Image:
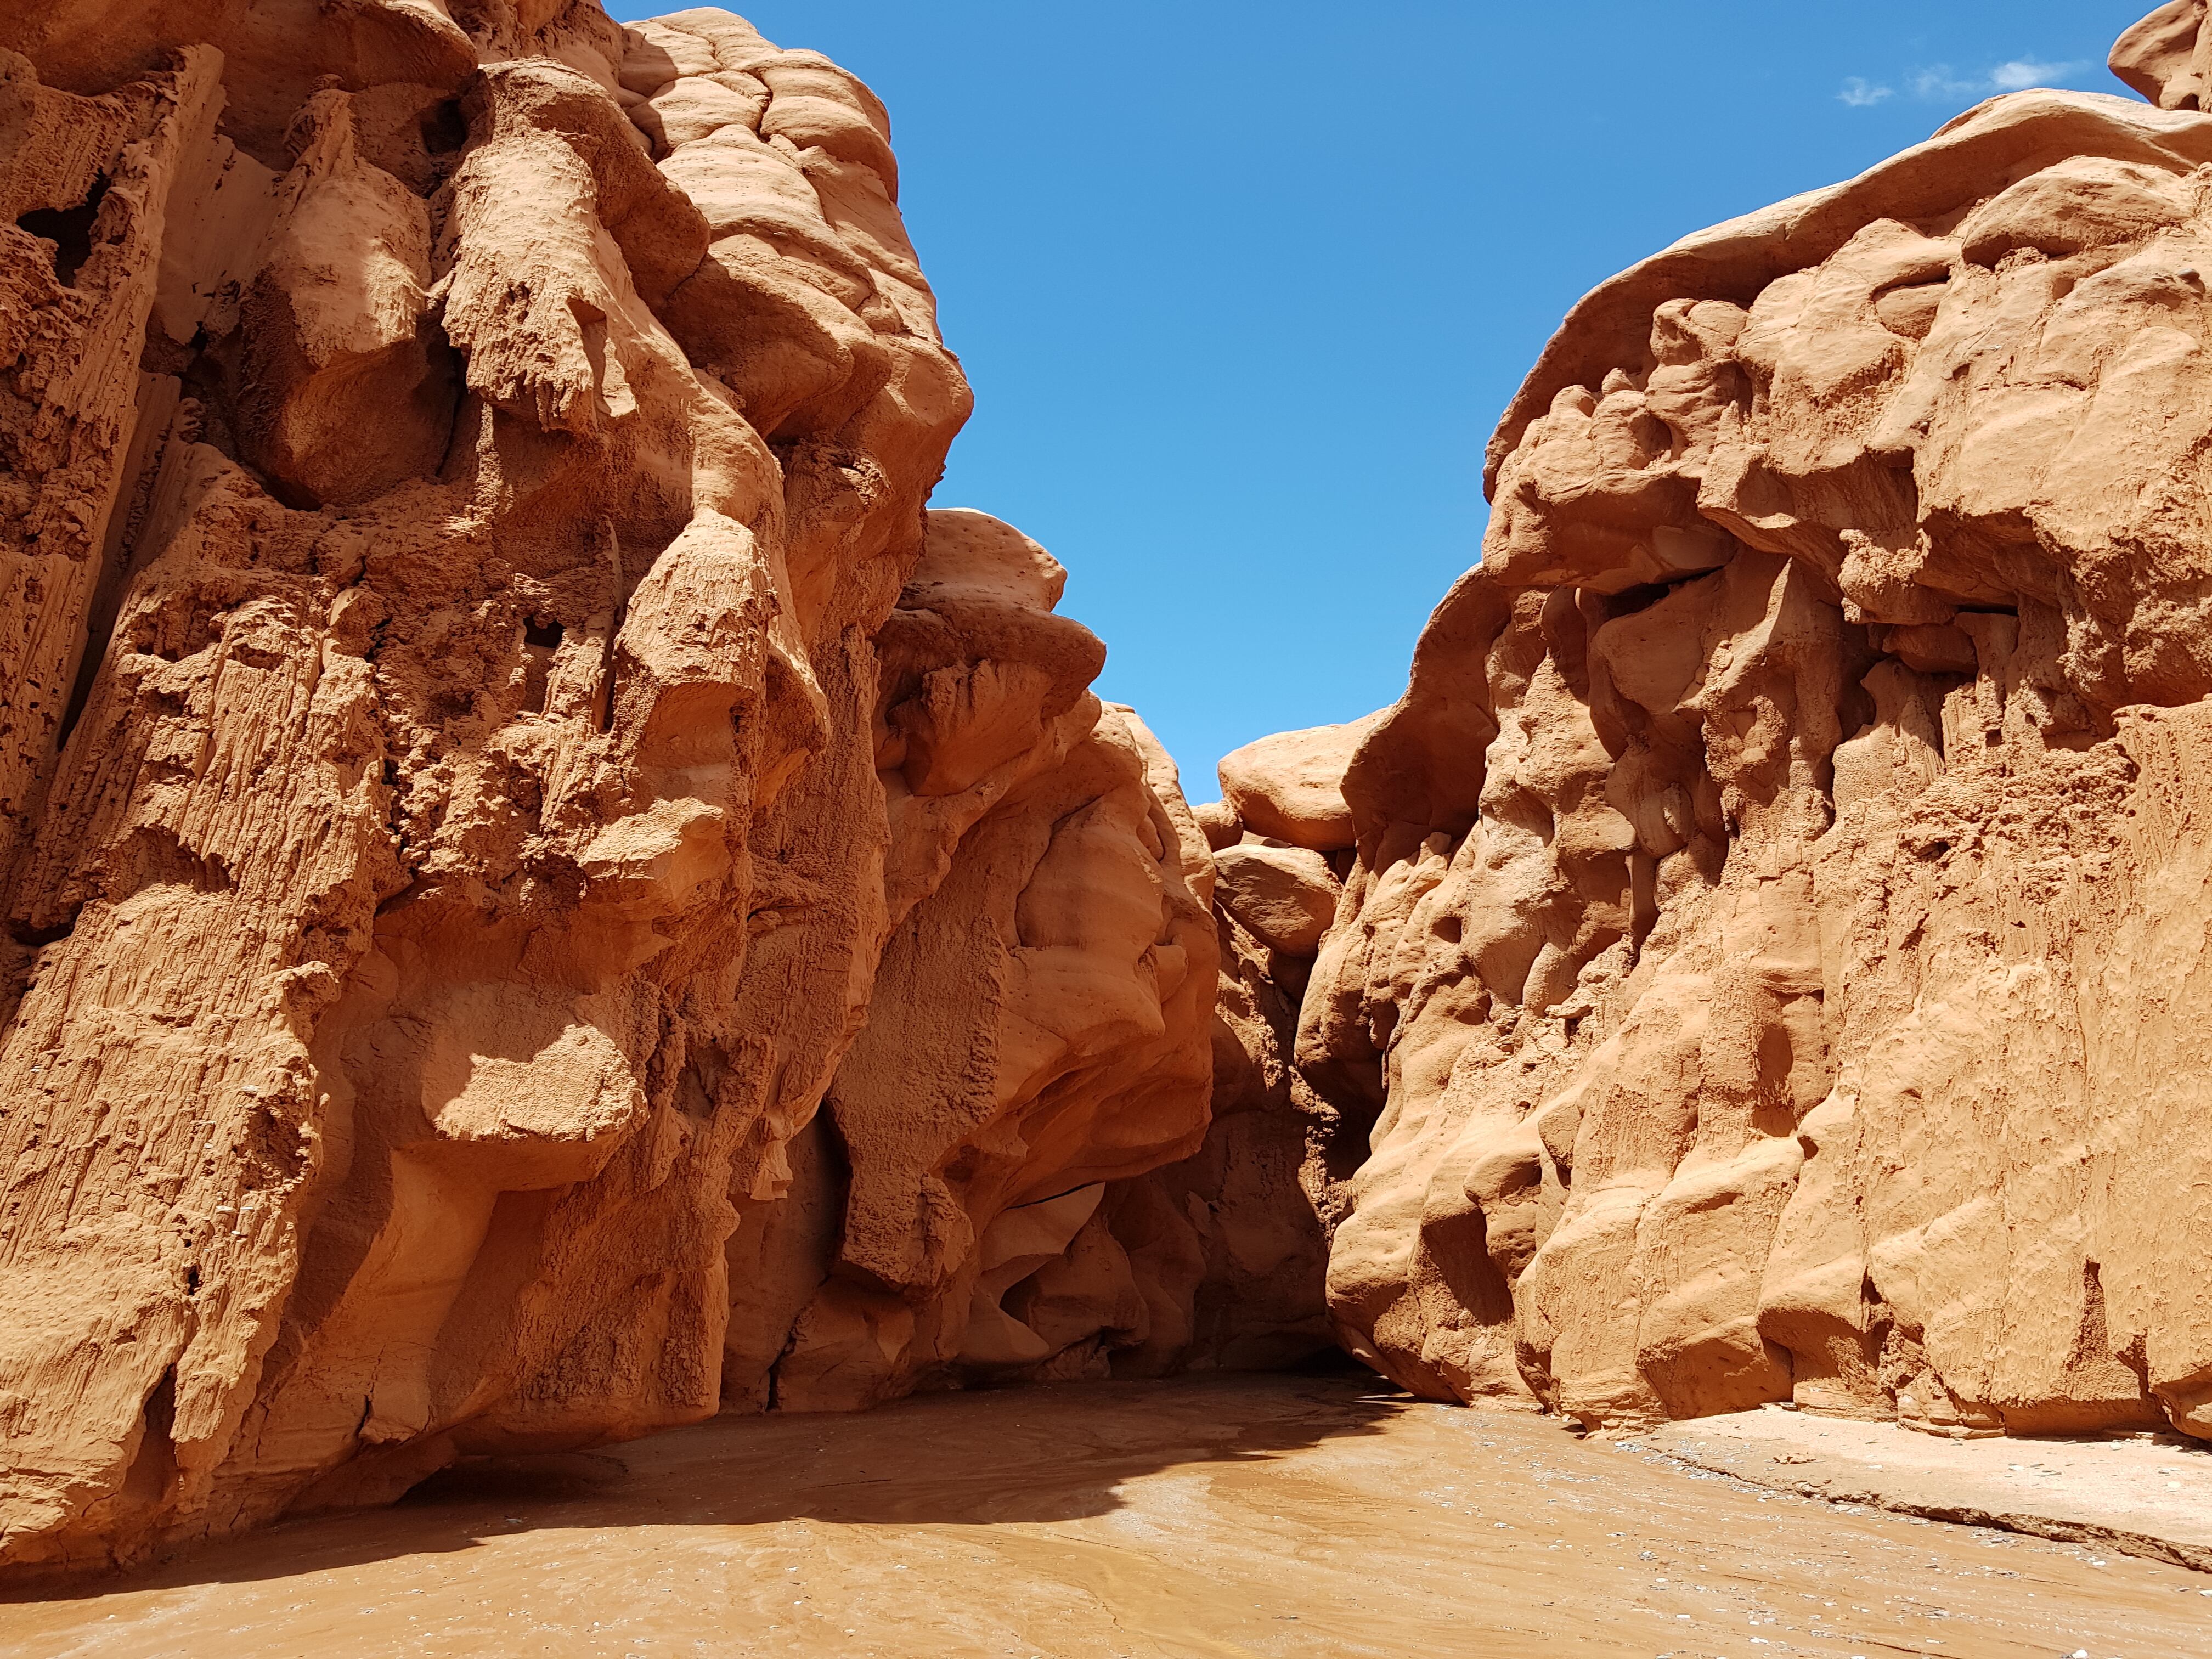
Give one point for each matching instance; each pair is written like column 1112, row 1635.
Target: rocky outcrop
column 548, row 895
column 1780, row 894
column 1279, row 1157
column 2163, row 56
column 490, row 748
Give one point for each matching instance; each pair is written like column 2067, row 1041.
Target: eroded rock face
column 1039, row 1022
column 488, row 746
column 2163, row 56
column 1779, row 896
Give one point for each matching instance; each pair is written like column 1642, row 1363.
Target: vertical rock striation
column 488, row 742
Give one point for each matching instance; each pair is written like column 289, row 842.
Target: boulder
column 1286, row 896
column 1290, row 787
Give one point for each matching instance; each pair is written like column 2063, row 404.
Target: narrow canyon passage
column 1277, row 1515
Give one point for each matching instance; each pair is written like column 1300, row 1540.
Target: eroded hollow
column 70, row 229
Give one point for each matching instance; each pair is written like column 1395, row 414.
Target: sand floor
column 1268, row 1516
column 2140, row 1494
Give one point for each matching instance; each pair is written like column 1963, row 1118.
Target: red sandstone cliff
column 1779, row 907
column 543, row 896
column 547, row 895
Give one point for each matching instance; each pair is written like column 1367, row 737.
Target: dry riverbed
column 1265, row 1517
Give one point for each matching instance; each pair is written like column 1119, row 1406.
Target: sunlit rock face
column 548, row 894
column 490, row 740
column 1781, row 896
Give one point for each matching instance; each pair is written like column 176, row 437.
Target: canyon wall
column 548, row 894
column 1781, row 904
column 545, row 896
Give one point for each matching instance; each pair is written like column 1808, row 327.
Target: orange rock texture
column 544, row 896
column 548, row 894
column 1779, row 916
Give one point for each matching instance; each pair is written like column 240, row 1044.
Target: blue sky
column 1243, row 287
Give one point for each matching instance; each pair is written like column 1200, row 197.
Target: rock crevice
column 545, row 893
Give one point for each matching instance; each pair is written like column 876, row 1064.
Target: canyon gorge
column 549, row 895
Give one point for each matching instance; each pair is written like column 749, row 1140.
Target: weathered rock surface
column 2163, row 56
column 1290, row 786
column 547, row 895
column 487, row 750
column 1230, row 1244
column 1285, row 895
column 1781, row 897
column 1039, row 1022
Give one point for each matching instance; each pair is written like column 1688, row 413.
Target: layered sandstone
column 1780, row 901
column 544, row 897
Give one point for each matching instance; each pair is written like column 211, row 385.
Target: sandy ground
column 1268, row 1516
column 2142, row 1494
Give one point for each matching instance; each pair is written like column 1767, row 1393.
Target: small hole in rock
column 37, row 939
column 70, row 229
column 444, row 129
column 540, row 639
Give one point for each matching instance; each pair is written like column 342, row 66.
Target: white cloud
column 1940, row 82
column 2024, row 72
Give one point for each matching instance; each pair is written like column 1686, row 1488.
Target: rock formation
column 544, row 898
column 548, row 894
column 1276, row 902
column 1781, row 896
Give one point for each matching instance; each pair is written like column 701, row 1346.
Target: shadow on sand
column 997, row 1457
